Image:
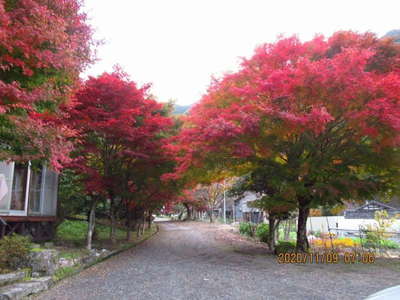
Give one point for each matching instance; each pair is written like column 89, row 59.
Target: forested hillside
column 181, row 109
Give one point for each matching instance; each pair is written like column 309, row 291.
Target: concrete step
column 20, row 290
column 11, row 277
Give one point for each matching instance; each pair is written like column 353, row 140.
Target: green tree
column 269, row 181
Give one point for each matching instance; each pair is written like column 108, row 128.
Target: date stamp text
column 326, row 258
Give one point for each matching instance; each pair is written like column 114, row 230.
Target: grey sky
column 178, row 44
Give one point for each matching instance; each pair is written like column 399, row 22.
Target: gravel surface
column 194, row 260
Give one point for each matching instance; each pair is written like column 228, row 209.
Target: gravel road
column 202, row 261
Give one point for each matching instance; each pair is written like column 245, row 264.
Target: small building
column 219, row 209
column 28, row 200
column 246, row 213
column 367, row 211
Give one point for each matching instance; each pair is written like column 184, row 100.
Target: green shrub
column 247, row 228
column 376, row 235
column 372, row 239
column 389, row 244
column 285, row 247
column 64, row 272
column 262, row 232
column 14, row 251
column 317, row 234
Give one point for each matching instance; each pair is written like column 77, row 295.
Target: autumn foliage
column 122, row 131
column 44, row 45
column 317, row 122
column 324, row 113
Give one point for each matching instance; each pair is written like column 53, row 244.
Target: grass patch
column 37, row 249
column 73, row 253
column 74, row 232
column 28, row 274
column 103, row 232
column 62, row 273
column 292, row 234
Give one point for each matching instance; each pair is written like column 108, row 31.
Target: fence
column 335, row 233
column 361, row 240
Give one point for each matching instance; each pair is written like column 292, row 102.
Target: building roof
column 375, row 205
column 368, row 210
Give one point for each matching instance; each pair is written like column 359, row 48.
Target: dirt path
column 202, row 261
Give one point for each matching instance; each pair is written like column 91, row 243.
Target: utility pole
column 233, row 212
column 224, row 203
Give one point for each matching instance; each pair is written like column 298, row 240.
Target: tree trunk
column 277, row 235
column 287, row 230
column 143, row 223
column 138, row 221
column 128, row 230
column 278, row 222
column 271, row 233
column 138, row 229
column 112, row 220
column 210, row 214
column 128, row 223
column 91, row 225
column 133, row 221
column 133, row 225
column 149, row 220
column 302, row 241
column 189, row 213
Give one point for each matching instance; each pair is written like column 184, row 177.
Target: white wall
column 321, row 223
column 248, row 196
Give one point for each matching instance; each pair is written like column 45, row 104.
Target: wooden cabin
column 28, row 200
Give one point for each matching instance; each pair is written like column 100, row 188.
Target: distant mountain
column 394, row 34
column 181, row 109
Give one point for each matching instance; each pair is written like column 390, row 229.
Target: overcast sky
column 177, row 45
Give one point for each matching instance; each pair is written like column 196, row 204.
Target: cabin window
column 50, row 193
column 35, row 188
column 19, row 187
column 6, row 173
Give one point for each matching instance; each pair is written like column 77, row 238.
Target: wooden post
column 3, row 231
column 3, row 228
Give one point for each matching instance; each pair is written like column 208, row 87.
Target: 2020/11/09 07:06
column 326, row 258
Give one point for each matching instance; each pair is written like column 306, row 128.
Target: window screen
column 18, row 193
column 50, row 192
column 6, row 176
column 35, row 188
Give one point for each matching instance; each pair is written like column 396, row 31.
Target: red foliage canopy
column 44, row 45
column 121, row 134
column 321, row 119
column 347, row 86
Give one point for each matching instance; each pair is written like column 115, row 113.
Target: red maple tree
column 121, row 135
column 44, row 45
column 325, row 112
